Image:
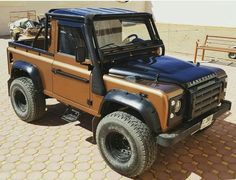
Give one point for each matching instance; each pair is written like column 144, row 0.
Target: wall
column 181, row 23
column 182, row 38
column 42, row 7
column 204, row 13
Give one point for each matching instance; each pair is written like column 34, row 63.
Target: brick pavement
column 54, row 149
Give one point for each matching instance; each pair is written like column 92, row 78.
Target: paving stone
column 83, row 158
column 208, row 175
column 23, row 166
column 2, row 158
column 27, row 158
column 30, row 151
column 83, row 166
column 41, row 158
column 66, row 175
column 98, row 166
column 17, row 151
column 4, row 175
column 69, row 158
column 82, row 175
column 18, row 175
column 50, row 175
column 67, row 166
column 35, row 175
column 13, row 158
column 55, row 158
column 38, row 166
column 7, row 166
column 53, row 166
column 44, row 151
column 98, row 175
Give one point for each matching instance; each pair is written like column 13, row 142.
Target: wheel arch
column 139, row 105
column 25, row 69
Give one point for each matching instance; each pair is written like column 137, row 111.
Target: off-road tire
column 139, row 137
column 232, row 55
column 28, row 104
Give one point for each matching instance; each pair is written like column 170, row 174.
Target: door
column 70, row 79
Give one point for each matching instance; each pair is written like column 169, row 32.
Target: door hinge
column 89, row 102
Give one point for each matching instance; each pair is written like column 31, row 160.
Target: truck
column 111, row 63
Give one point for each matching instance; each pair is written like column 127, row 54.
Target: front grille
column 205, row 97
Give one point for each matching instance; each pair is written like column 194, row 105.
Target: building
column 180, row 23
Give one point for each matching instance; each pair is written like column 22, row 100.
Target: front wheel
column 126, row 143
column 28, row 104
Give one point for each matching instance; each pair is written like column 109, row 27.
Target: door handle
column 56, row 71
column 63, row 73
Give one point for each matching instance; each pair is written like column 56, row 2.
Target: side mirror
column 80, row 54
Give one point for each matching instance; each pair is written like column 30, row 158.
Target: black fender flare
column 31, row 70
column 136, row 102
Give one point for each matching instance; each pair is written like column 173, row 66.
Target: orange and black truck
column 111, row 63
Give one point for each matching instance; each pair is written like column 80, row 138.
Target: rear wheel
column 126, row 143
column 27, row 102
column 232, row 55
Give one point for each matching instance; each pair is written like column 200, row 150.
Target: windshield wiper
column 111, row 44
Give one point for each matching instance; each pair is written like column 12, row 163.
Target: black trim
column 37, row 36
column 190, row 127
column 17, row 44
column 136, row 102
column 46, row 34
column 20, row 68
column 98, row 86
column 60, row 72
column 65, row 16
column 112, row 16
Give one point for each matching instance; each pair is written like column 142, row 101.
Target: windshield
column 121, row 32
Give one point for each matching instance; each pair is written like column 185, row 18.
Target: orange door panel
column 70, row 79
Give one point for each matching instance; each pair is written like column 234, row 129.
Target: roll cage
column 98, row 86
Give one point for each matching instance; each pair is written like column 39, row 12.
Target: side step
column 70, row 115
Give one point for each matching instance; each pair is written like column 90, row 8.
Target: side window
column 70, row 38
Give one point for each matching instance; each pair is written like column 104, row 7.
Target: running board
column 70, row 115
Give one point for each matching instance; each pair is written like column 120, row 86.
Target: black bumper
column 189, row 128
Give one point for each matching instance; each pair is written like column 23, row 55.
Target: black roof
column 90, row 11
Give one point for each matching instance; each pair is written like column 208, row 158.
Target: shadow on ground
column 52, row 116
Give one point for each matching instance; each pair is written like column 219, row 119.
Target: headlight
column 176, row 110
column 178, row 106
column 173, row 103
column 175, row 106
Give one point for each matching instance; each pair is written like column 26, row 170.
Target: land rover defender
column 111, row 63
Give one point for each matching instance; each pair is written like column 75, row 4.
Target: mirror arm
column 90, row 67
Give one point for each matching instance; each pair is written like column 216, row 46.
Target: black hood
column 165, row 69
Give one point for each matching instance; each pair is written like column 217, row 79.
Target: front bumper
column 189, row 128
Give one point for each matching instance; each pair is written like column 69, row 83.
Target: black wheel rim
column 20, row 101
column 118, row 146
